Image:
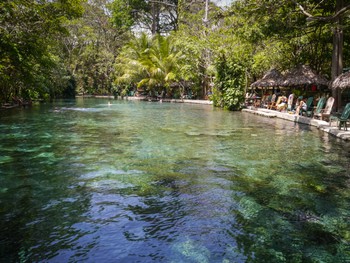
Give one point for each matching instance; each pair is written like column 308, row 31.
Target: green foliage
column 229, row 84
column 190, row 63
column 29, row 33
column 91, row 47
column 43, row 40
column 279, row 36
column 122, row 16
column 148, row 16
column 153, row 64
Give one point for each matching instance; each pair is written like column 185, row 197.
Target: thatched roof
column 342, row 81
column 303, row 75
column 272, row 78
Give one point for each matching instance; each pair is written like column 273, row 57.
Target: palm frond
column 150, row 62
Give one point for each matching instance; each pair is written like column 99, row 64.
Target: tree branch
column 302, row 9
column 163, row 3
column 322, row 18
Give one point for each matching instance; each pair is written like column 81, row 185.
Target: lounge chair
column 272, row 102
column 309, row 106
column 282, row 106
column 274, row 106
column 267, row 101
column 264, row 101
column 290, row 102
column 326, row 112
column 343, row 119
column 320, row 104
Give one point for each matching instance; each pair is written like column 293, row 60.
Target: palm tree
column 150, row 63
column 128, row 69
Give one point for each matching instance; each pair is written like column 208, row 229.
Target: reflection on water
column 148, row 182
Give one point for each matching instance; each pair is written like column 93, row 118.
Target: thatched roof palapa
column 342, row 81
column 303, row 75
column 272, row 78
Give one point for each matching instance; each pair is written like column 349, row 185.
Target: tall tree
column 339, row 9
column 29, row 30
column 284, row 25
column 154, row 16
column 198, row 24
column 92, row 46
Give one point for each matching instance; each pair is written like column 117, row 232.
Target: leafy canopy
column 149, row 63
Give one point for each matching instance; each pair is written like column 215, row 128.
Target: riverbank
column 320, row 124
column 142, row 98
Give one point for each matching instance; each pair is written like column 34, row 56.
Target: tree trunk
column 154, row 24
column 337, row 57
column 155, row 17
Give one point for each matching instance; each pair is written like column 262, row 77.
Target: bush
column 228, row 91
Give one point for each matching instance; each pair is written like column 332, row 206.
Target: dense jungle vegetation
column 59, row 48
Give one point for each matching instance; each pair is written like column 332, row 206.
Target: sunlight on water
column 90, row 181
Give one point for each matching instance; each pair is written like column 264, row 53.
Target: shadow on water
column 38, row 219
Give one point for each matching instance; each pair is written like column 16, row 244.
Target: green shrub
column 229, row 88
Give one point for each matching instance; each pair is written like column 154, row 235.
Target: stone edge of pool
column 322, row 125
column 206, row 102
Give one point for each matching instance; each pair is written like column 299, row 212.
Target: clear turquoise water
column 84, row 181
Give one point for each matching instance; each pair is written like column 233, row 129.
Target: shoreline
column 143, row 98
column 320, row 124
column 205, row 102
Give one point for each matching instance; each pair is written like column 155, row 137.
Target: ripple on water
column 5, row 159
column 107, row 185
column 103, row 172
column 82, row 109
column 151, row 182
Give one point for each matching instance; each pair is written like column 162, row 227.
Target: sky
column 223, row 2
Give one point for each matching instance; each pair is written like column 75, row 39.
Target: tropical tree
column 153, row 64
column 128, row 68
column 199, row 24
column 155, row 17
column 52, row 47
column 230, row 83
column 335, row 18
column 90, row 49
column 28, row 45
column 301, row 32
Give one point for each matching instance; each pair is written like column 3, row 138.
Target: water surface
column 84, row 181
